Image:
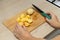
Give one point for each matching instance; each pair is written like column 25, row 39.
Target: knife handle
column 46, row 15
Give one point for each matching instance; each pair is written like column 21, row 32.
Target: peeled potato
column 30, row 11
column 25, row 19
column 22, row 15
column 18, row 19
column 29, row 20
column 21, row 23
column 28, row 16
column 26, row 24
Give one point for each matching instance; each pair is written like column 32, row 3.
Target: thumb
column 24, row 27
column 48, row 20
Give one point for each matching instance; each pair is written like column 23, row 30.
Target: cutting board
column 38, row 20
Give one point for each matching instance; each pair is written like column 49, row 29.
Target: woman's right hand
column 53, row 21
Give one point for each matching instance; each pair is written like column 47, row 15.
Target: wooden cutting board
column 38, row 19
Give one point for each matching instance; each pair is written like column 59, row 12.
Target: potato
column 18, row 19
column 25, row 19
column 22, row 15
column 30, row 11
column 26, row 24
column 21, row 23
column 29, row 20
column 28, row 16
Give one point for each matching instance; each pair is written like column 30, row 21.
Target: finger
column 17, row 36
column 24, row 28
column 51, row 13
column 15, row 29
column 17, row 32
column 20, row 28
column 47, row 20
column 48, row 13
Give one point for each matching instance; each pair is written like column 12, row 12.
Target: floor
column 9, row 8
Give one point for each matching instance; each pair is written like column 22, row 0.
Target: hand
column 53, row 21
column 22, row 34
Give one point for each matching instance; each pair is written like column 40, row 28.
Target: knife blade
column 41, row 12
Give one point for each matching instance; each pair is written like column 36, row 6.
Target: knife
column 41, row 12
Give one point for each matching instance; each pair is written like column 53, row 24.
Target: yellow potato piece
column 18, row 19
column 26, row 24
column 30, row 11
column 28, row 16
column 30, row 20
column 22, row 15
column 23, row 19
column 21, row 23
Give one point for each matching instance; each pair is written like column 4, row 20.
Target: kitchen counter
column 9, row 8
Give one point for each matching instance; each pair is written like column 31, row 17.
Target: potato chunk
column 30, row 11
column 25, row 19
column 26, row 24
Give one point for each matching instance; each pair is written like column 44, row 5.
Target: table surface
column 7, row 6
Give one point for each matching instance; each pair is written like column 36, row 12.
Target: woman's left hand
column 21, row 33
